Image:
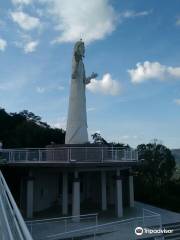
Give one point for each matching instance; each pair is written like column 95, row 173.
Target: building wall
column 45, row 190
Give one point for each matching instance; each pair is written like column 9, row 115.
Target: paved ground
column 116, row 231
column 167, row 216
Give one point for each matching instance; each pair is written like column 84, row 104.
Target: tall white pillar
column 103, row 191
column 131, row 191
column 65, row 194
column 119, row 202
column 111, row 191
column 30, row 196
column 76, row 196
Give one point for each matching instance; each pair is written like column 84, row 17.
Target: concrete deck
column 122, row 231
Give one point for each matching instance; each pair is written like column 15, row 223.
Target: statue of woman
column 76, row 131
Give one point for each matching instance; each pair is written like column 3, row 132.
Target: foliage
column 25, row 129
column 158, row 164
column 154, row 182
column 98, row 139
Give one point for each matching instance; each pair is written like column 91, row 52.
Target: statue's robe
column 76, row 131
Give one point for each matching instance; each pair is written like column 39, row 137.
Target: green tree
column 158, row 164
column 98, row 139
column 154, row 181
column 25, row 129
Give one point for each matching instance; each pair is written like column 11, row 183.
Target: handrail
column 15, row 213
column 150, row 212
column 61, row 147
column 62, row 218
column 70, row 154
column 104, row 225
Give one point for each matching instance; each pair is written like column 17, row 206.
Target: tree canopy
column 154, row 182
column 25, row 129
column 98, row 139
column 158, row 163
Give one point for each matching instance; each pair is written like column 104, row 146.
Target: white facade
column 76, row 131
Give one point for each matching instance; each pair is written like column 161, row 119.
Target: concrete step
column 172, row 237
column 176, row 231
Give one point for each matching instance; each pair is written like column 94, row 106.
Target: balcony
column 69, row 155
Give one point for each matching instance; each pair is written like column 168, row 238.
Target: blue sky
column 134, row 46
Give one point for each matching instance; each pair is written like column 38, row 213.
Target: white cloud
column 31, row 46
column 40, row 89
column 14, row 84
column 60, row 88
column 91, row 109
column 60, row 123
column 2, row 24
column 178, row 21
column 26, row 43
column 152, row 70
column 133, row 14
column 25, row 21
column 174, row 71
column 3, row 44
column 106, row 86
column 52, row 87
column 125, row 137
column 21, row 2
column 90, row 20
column 177, row 101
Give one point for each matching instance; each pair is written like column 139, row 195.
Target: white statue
column 76, row 131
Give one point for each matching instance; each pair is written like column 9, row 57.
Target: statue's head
column 79, row 50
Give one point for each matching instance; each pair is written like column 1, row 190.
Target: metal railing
column 124, row 229
column 41, row 229
column 69, row 155
column 12, row 225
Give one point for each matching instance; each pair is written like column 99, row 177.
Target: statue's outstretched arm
column 88, row 79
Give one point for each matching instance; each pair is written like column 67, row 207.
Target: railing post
column 39, row 153
column 53, row 155
column 85, row 153
column 65, row 225
column 116, row 155
column 136, row 155
column 26, row 155
column 31, row 229
column 68, row 159
column 96, row 219
column 9, row 156
column 160, row 221
column 13, row 158
column 125, row 154
column 96, row 227
column 102, row 155
column 70, row 154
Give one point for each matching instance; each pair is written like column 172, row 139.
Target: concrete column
column 131, row 191
column 76, row 196
column 65, row 194
column 103, row 191
column 111, row 191
column 119, row 202
column 88, row 186
column 30, row 196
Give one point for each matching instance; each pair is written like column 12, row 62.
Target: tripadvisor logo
column 139, row 231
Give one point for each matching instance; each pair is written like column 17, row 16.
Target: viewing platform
column 69, row 155
column 70, row 177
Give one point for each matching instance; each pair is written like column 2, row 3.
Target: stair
column 176, row 233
